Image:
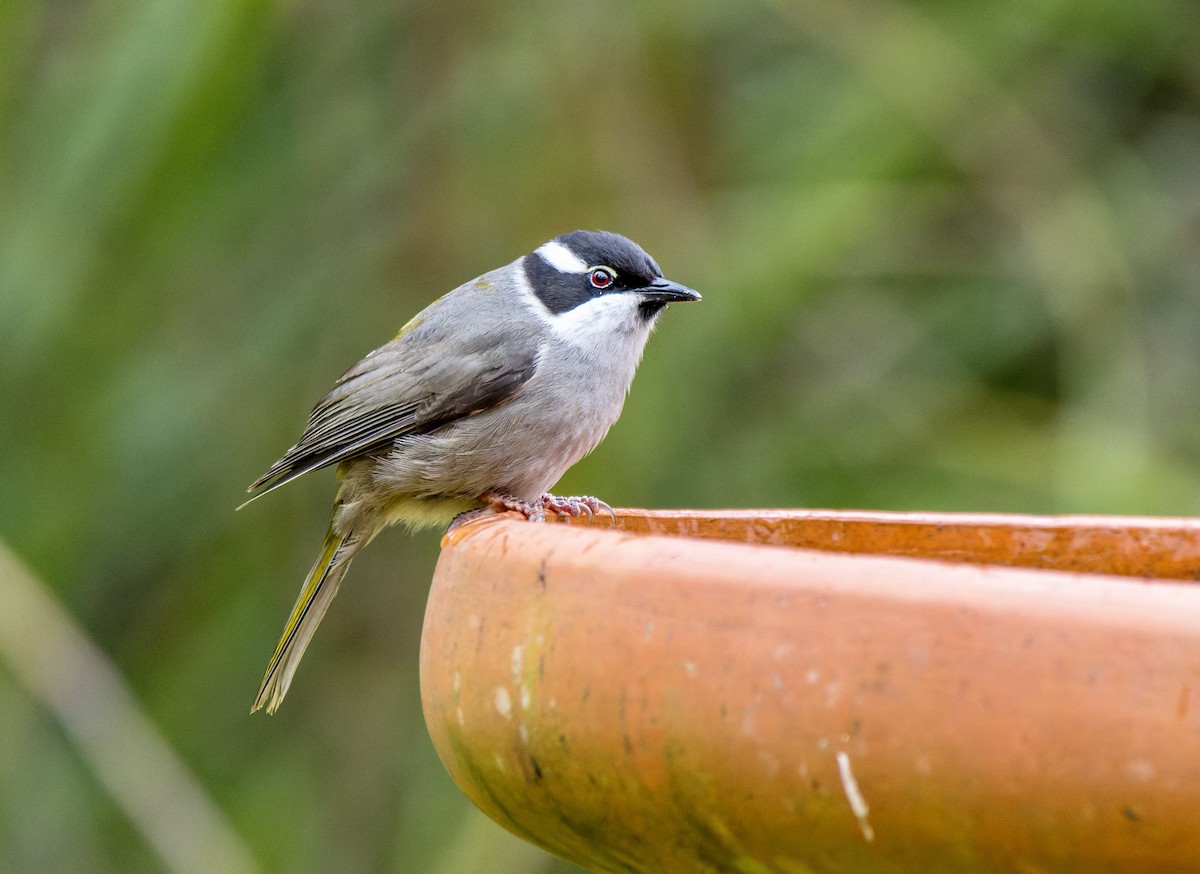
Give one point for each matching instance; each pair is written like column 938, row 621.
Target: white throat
column 608, row 324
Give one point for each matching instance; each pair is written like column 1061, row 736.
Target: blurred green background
column 949, row 257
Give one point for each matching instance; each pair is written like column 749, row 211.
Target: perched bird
column 479, row 404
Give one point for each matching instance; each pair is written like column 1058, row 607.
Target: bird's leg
column 576, row 506
column 495, row 503
column 498, row 502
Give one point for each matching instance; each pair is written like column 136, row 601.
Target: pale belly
column 521, row 448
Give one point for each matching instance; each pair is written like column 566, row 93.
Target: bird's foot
column 577, row 506
column 535, row 511
column 468, row 516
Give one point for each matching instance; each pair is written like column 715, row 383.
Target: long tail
column 320, row 586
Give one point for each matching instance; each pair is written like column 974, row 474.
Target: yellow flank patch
column 418, row 513
column 411, row 325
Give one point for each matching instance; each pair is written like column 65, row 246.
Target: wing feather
column 412, row 385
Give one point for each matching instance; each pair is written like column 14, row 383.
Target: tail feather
column 320, row 586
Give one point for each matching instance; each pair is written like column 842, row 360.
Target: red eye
column 602, row 277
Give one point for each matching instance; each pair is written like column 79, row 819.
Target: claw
column 467, row 517
column 574, row 507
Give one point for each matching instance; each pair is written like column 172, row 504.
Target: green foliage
column 948, row 253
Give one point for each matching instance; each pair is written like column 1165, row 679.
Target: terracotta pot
column 710, row 692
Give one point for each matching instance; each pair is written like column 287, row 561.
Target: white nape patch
column 525, row 291
column 606, row 316
column 561, row 258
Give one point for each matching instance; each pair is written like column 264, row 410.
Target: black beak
column 666, row 291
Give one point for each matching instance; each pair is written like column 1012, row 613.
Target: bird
column 478, row 405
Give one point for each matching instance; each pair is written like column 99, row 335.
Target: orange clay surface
column 775, row 691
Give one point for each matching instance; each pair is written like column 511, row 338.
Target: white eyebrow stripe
column 561, row 258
